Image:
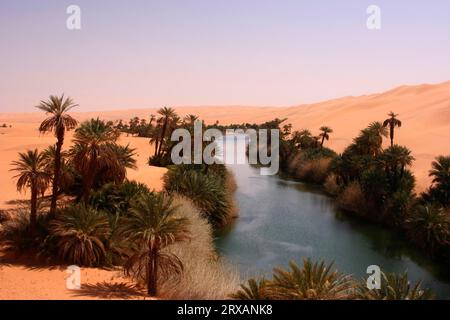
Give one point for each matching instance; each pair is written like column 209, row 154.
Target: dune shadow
column 105, row 290
column 29, row 261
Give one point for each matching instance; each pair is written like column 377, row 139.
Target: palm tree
column 325, row 134
column 66, row 177
column 80, row 232
column 154, row 137
column 166, row 115
column 173, row 124
column 133, row 125
column 286, row 131
column 316, row 141
column 315, row 281
column 379, row 131
column 393, row 287
column 441, row 178
column 396, row 158
column 254, row 290
column 303, row 138
column 125, row 158
column 429, row 226
column 93, row 151
column 58, row 122
column 190, row 119
column 32, row 175
column 392, row 122
column 441, row 170
column 152, row 118
column 205, row 190
column 151, row 226
column 370, row 140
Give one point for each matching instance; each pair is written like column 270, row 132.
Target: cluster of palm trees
column 107, row 219
column 440, row 189
column 94, row 156
column 159, row 129
column 320, row 281
column 104, row 218
column 375, row 182
column 303, row 139
column 302, row 144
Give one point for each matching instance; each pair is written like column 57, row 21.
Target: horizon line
column 242, row 105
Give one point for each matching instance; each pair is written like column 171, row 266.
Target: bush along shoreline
column 96, row 217
column 374, row 183
column 321, row 281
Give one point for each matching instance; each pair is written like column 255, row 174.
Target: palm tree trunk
column 395, row 178
column 88, row 180
column 33, row 212
column 392, row 135
column 156, row 146
column 56, row 173
column 323, row 139
column 152, row 280
column 163, row 134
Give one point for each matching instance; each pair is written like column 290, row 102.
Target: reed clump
column 205, row 274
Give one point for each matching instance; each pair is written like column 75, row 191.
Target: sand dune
column 424, row 110
column 24, row 136
column 23, row 283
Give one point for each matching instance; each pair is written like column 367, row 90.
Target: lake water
column 282, row 220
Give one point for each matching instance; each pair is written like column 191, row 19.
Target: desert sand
column 24, row 136
column 423, row 109
column 22, row 281
column 34, row 283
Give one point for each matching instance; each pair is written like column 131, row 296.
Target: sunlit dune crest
column 423, row 109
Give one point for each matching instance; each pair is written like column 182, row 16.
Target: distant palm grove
column 95, row 217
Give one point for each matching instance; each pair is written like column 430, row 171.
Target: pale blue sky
column 132, row 54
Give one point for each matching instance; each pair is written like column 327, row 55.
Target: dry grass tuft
column 331, row 186
column 352, row 199
column 205, row 275
column 315, row 171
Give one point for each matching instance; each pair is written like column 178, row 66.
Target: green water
column 282, row 220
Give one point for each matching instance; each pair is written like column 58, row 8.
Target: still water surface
column 282, row 220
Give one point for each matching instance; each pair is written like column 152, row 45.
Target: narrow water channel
column 282, row 220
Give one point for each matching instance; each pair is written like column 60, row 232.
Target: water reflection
column 281, row 220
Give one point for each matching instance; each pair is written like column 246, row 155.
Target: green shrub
column 253, row 290
column 393, row 287
column 312, row 281
column 16, row 236
column 429, row 227
column 112, row 198
column 206, row 191
column 80, row 233
column 160, row 161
